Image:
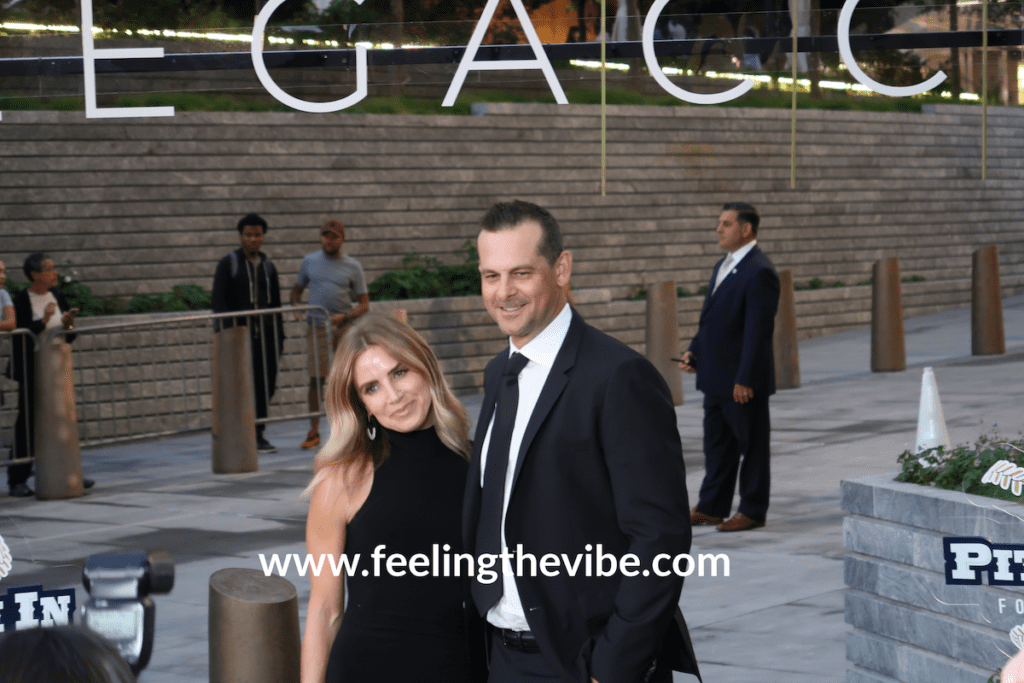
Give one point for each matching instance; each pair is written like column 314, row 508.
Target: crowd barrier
column 143, row 379
column 13, row 433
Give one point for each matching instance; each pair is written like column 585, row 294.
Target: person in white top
column 39, row 308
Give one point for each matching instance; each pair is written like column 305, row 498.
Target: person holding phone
column 39, row 308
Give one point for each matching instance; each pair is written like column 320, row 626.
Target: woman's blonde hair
column 349, row 445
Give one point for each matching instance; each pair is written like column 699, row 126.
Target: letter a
column 541, row 62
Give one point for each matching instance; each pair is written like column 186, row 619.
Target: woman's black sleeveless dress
column 406, row 629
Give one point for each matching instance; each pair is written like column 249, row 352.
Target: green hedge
column 183, row 297
column 423, row 277
column 962, row 468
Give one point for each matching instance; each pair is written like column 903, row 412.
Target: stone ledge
column 951, row 513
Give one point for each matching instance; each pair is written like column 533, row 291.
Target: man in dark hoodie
column 246, row 280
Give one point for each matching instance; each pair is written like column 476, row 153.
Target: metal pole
column 253, row 628
column 604, row 129
column 984, row 89
column 234, row 405
column 888, row 352
column 784, row 341
column 663, row 335
column 58, row 458
column 987, row 332
column 792, row 135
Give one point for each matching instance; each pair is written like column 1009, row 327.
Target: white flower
column 5, row 559
column 1005, row 475
column 1017, row 636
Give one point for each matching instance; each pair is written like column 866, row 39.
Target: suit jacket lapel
column 553, row 387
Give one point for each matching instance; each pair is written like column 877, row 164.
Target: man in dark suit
column 576, row 448
column 732, row 356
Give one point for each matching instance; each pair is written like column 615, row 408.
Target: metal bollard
column 663, row 335
column 58, row 458
column 784, row 342
column 253, row 628
column 234, row 403
column 987, row 332
column 888, row 352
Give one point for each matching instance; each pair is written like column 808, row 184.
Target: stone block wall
column 908, row 625
column 132, row 206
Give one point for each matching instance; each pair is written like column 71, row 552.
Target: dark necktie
column 488, row 531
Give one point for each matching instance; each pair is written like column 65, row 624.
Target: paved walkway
column 778, row 617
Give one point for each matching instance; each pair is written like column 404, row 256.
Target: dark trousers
column 735, row 431
column 514, row 666
column 24, row 432
column 264, row 373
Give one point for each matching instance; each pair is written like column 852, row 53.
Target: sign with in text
column 31, row 606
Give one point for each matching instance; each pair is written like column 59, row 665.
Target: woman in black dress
column 392, row 475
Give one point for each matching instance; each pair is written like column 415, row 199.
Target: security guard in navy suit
column 735, row 365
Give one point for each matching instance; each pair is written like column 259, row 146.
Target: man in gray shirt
column 337, row 283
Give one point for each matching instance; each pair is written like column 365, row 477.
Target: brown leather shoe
column 698, row 518
column 740, row 522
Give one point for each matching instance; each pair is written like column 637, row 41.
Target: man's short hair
column 252, row 219
column 745, row 213
column 335, row 226
column 33, row 264
column 509, row 215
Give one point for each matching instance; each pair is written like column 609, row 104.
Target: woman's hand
column 68, row 319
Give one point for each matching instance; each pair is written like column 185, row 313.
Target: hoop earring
column 371, row 429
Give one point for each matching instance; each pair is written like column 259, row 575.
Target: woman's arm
column 325, row 535
column 8, row 321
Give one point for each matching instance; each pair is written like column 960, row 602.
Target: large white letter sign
column 541, row 62
column 89, row 56
column 845, row 17
column 670, row 87
column 280, row 95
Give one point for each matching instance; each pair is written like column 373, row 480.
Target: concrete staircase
column 133, row 206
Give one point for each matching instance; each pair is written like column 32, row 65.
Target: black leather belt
column 518, row 640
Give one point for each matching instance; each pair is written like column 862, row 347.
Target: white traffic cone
column 931, row 426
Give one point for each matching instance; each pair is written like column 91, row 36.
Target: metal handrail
column 7, row 364
column 123, row 396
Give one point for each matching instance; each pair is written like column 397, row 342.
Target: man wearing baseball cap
column 337, row 283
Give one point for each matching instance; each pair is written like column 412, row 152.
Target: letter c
column 845, row 17
column 280, row 95
column 670, row 87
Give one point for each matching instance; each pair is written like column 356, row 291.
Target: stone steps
column 137, row 205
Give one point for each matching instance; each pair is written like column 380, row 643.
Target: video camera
column 119, row 608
